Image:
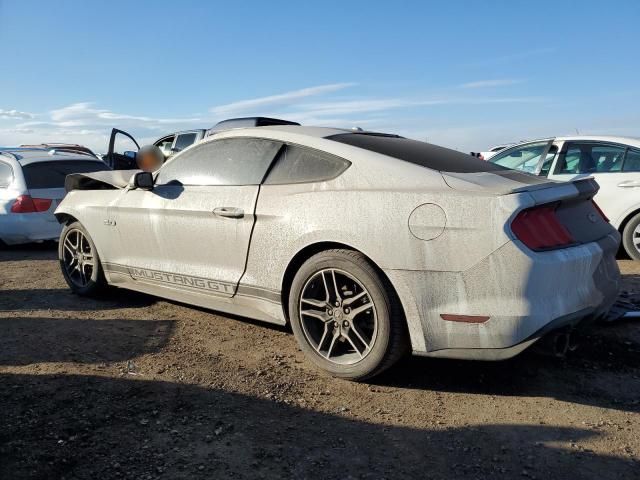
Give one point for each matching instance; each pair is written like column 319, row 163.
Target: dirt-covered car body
column 230, row 220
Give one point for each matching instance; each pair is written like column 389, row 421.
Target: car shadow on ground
column 31, row 251
column 602, row 372
column 89, row 427
column 64, row 299
column 28, row 340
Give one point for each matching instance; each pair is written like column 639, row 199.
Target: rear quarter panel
column 356, row 211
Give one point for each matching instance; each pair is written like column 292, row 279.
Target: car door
column 122, row 151
column 192, row 231
column 614, row 166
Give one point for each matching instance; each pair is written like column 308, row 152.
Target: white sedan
column 613, row 161
column 367, row 244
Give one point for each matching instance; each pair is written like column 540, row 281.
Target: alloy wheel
column 338, row 316
column 635, row 238
column 78, row 258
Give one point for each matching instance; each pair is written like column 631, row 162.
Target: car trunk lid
column 551, row 205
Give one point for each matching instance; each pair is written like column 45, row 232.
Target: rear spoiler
column 584, row 188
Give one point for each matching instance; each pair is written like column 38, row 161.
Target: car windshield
column 523, row 158
column 418, row 153
column 53, row 174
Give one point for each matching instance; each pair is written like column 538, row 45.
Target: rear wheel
column 79, row 261
column 631, row 237
column 345, row 317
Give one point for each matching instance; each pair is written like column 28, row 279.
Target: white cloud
column 84, row 123
column 491, row 83
column 83, row 113
column 324, row 105
column 256, row 104
column 15, row 115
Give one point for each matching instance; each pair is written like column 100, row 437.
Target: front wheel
column 79, row 261
column 631, row 237
column 345, row 316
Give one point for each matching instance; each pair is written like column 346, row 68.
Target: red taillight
column 26, row 204
column 597, row 207
column 539, row 228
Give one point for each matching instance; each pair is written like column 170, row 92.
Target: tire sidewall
column 627, row 238
column 378, row 295
column 97, row 280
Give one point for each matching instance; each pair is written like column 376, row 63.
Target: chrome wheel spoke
column 322, row 340
column 326, row 288
column 360, row 337
column 333, row 342
column 348, row 301
column 315, row 303
column 324, row 317
column 68, row 247
column 71, row 264
column 358, row 310
column 335, row 286
column 354, row 345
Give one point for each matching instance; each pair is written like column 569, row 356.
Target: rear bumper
column 525, row 294
column 16, row 228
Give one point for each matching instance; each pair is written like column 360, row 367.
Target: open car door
column 122, row 151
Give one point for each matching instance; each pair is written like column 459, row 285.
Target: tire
column 334, row 337
column 76, row 253
column 631, row 234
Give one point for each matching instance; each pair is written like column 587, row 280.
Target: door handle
column 629, row 184
column 229, row 212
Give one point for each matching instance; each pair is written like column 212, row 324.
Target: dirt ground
column 134, row 387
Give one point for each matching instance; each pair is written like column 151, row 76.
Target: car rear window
column 52, row 174
column 418, row 153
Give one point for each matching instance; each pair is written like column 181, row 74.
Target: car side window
column 6, row 175
column 632, row 161
column 591, row 158
column 184, row 140
column 231, row 161
column 297, row 164
column 524, row 158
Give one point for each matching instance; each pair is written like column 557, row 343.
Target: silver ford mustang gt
column 367, row 244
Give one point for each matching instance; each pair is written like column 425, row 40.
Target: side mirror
column 143, row 180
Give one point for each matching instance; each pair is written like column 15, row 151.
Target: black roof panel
column 419, row 153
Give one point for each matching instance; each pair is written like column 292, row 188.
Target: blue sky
column 464, row 74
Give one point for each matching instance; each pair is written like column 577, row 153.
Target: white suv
column 613, row 161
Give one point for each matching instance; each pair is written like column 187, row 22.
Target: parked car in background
column 613, row 161
column 60, row 147
column 493, row 150
column 31, row 186
column 359, row 240
column 123, row 147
